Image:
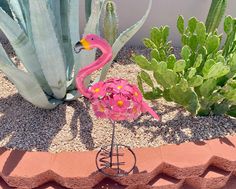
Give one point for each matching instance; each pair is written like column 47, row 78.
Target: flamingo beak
column 82, row 44
column 78, row 47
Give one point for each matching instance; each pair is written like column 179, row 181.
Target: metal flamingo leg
column 112, row 142
column 110, row 158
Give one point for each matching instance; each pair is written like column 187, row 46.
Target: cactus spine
column 215, row 14
column 110, row 24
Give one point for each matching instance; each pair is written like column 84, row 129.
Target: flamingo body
column 115, row 99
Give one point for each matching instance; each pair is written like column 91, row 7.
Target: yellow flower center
column 120, row 103
column 134, row 110
column 135, row 94
column 96, row 90
column 119, row 87
column 101, row 108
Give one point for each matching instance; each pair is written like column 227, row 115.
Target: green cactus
column 203, row 81
column 215, row 14
column 110, row 25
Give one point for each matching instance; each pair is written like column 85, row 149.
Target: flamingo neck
column 96, row 65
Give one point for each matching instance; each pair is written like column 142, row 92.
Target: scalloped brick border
column 203, row 165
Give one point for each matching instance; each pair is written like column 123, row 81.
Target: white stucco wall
column 163, row 12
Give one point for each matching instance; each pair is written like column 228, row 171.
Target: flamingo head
column 89, row 42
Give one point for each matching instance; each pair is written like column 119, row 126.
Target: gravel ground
column 72, row 126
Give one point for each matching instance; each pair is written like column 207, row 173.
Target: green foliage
column 203, row 80
column 215, row 14
column 110, row 23
column 43, row 34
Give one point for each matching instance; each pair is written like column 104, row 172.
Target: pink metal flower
column 97, row 90
column 119, row 103
column 115, row 99
column 100, row 108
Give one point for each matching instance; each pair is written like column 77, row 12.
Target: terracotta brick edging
column 204, row 165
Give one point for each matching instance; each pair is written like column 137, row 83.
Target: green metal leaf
column 25, row 83
column 49, row 55
column 123, row 38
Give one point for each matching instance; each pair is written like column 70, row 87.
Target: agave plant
column 43, row 34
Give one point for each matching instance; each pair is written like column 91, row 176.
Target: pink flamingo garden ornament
column 115, row 99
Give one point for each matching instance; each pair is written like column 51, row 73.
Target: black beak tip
column 78, row 47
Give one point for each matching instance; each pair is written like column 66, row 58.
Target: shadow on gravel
column 182, row 127
column 85, row 122
column 26, row 127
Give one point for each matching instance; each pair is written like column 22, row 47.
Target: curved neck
column 97, row 64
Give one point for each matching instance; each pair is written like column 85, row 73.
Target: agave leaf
column 65, row 37
column 91, row 27
column 72, row 95
column 123, row 38
column 17, row 13
column 25, row 10
column 86, row 57
column 23, row 47
column 48, row 47
column 74, row 28
column 56, row 10
column 25, row 83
